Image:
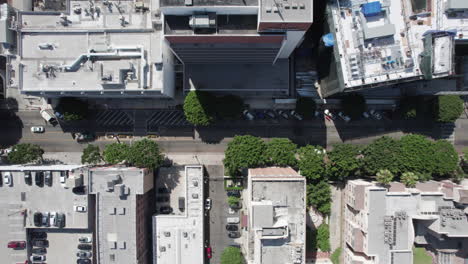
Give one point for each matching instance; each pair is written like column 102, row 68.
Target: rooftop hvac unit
column 202, row 21
column 162, row 249
column 188, row 2
column 167, row 234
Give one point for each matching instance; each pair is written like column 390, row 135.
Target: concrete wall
column 292, row 40
column 168, row 70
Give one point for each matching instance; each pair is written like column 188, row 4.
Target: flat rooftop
column 164, row 3
column 178, row 238
column 453, row 19
column 286, row 11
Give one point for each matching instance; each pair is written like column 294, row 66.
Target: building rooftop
column 178, row 238
column 286, row 11
column 167, row 3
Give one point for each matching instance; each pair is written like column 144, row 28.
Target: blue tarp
column 371, row 9
column 329, row 40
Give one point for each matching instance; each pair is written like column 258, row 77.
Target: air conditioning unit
column 202, row 21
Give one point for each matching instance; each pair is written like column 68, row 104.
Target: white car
column 37, row 129
column 79, row 208
column 296, row 115
column 84, row 240
column 328, row 113
column 63, row 178
column 7, row 180
column 53, row 218
column 248, row 115
column 344, row 117
column 207, row 204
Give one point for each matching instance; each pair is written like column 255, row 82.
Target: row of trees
column 141, row 153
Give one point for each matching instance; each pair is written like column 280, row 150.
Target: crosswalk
column 114, row 118
column 172, row 118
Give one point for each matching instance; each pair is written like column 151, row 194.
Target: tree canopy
column 382, row 153
column 343, row 161
column 198, row 108
column 244, row 152
column 232, row 255
column 448, row 108
column 354, row 104
column 416, row 154
column 25, row 153
column 306, row 106
column 384, row 177
column 319, row 196
column 115, row 153
column 409, row 179
column 281, row 152
column 91, row 155
column 445, row 158
column 145, row 153
column 323, row 238
column 311, row 163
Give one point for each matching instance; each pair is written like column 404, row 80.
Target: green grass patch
column 420, row 256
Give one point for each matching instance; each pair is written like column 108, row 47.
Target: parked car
column 7, row 180
column 17, row 244
column 365, row 115
column 236, row 206
column 84, row 239
column 296, row 115
column 209, row 254
column 259, row 114
column 165, row 210
column 37, row 258
column 234, row 193
column 162, row 199
column 37, row 129
column 344, row 117
column 234, row 234
column 60, row 220
column 27, row 177
column 85, row 246
column 39, row 251
column 247, row 115
column 181, row 204
column 283, row 114
column 231, row 227
column 79, row 208
column 45, row 219
column 79, row 190
column 163, row 190
column 84, row 136
column 40, row 243
column 83, row 254
column 232, row 220
column 207, row 204
column 83, row 261
column 376, row 115
column 37, row 219
column 39, row 235
column 329, row 114
column 63, row 177
column 48, row 178
column 53, row 219
column 39, row 178
column 270, row 114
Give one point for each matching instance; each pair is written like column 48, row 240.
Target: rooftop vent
column 162, row 249
column 167, row 234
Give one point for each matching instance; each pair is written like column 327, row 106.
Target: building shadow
column 12, row 127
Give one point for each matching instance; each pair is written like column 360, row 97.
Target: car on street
column 85, row 136
column 79, row 190
column 27, row 177
column 270, row 114
column 232, row 220
column 329, row 114
column 37, row 129
column 39, row 178
column 248, row 115
column 283, row 113
column 35, row 258
column 7, row 180
column 344, row 117
column 37, row 217
column 365, row 115
column 209, row 253
column 207, row 204
column 39, row 235
column 234, row 193
column 162, row 199
column 85, row 246
column 234, row 234
column 48, row 178
column 60, row 220
column 163, row 190
column 39, row 251
column 232, row 227
column 375, row 114
column 45, row 219
column 40, row 243
column 296, row 115
column 235, row 206
column 17, row 244
column 83, row 261
column 83, row 254
column 63, row 177
column 165, row 210
column 53, row 219
column 259, row 114
column 79, row 208
column 84, row 239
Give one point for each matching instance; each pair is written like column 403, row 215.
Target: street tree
column 244, row 152
column 311, row 163
column 409, row 179
column 232, row 255
column 319, row 197
column 382, row 153
column 198, row 108
column 323, row 238
column 25, row 153
column 417, row 154
column 115, row 153
column 145, row 153
column 445, row 158
column 281, row 152
column 344, row 161
column 91, row 155
column 448, row 108
column 384, row 177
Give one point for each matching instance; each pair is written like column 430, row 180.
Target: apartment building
column 275, row 200
column 383, row 224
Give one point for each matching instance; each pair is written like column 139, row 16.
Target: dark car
column 162, row 199
column 48, row 178
column 40, row 243
column 79, row 190
column 39, row 251
column 85, row 246
column 85, row 136
column 39, row 178
column 236, row 206
column 60, row 220
column 234, row 193
column 83, row 261
column 163, row 190
column 232, row 227
column 165, row 210
column 37, row 219
column 27, row 177
column 234, row 234
column 39, row 235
